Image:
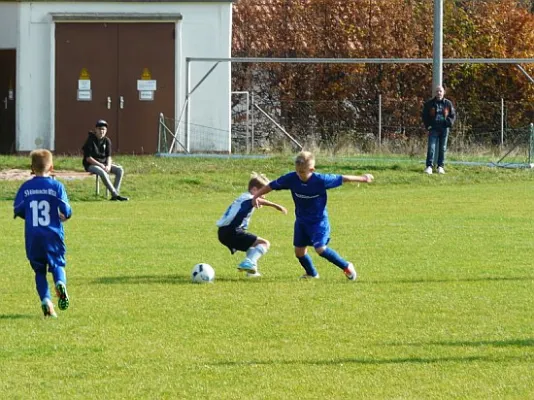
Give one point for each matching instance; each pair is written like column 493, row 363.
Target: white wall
column 204, row 31
column 210, row 102
column 34, row 87
column 8, row 25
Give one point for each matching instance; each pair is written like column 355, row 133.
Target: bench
column 97, row 186
column 80, row 175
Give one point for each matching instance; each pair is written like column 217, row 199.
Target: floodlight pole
column 437, row 63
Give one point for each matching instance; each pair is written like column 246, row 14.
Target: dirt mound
column 22, row 175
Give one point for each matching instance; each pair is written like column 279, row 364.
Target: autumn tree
column 329, row 98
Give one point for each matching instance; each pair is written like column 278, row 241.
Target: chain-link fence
column 365, row 125
column 177, row 136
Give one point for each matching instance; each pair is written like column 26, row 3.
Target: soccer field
column 442, row 308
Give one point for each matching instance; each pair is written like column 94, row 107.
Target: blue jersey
column 309, row 197
column 238, row 213
column 39, row 202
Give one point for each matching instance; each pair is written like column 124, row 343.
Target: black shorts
column 236, row 239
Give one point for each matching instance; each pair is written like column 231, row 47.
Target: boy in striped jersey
column 234, row 223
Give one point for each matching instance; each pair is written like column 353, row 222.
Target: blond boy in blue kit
column 43, row 203
column 312, row 227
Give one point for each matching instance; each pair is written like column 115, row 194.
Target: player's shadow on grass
column 16, row 316
column 367, row 168
column 478, row 343
column 142, row 280
column 148, row 279
column 496, row 343
column 371, row 361
column 451, row 280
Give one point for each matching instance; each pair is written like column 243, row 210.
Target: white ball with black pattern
column 203, row 273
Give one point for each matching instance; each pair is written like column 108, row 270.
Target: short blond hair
column 257, row 181
column 305, row 159
column 42, row 160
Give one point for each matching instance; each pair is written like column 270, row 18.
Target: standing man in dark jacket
column 438, row 116
column 97, row 159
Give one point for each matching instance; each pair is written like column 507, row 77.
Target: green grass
column 442, row 308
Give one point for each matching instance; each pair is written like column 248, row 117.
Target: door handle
column 109, row 103
column 5, row 103
column 121, row 102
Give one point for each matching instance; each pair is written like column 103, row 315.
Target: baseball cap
column 101, row 123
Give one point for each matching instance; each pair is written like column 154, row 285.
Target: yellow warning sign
column 84, row 75
column 146, row 75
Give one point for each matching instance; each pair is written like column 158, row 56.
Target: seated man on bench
column 97, row 160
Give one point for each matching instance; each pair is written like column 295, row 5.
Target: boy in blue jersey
column 42, row 202
column 233, row 226
column 312, row 227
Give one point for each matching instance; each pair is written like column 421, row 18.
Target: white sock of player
column 254, row 253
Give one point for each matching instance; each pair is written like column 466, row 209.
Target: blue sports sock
column 307, row 264
column 334, row 258
column 42, row 285
column 59, row 275
column 254, row 253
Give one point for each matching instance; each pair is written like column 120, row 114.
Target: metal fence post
column 502, row 122
column 531, row 145
column 248, row 121
column 252, row 122
column 159, row 132
column 379, row 120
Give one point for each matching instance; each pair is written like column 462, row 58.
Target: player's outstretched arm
column 264, row 202
column 366, row 178
column 262, row 192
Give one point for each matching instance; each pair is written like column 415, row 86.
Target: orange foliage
column 384, row 29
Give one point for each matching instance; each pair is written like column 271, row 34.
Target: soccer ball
column 202, row 273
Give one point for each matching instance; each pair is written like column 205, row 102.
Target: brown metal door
column 149, row 48
column 115, row 56
column 8, row 67
column 91, row 47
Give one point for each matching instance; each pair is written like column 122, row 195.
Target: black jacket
column 430, row 112
column 99, row 149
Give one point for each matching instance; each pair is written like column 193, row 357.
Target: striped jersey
column 238, row 213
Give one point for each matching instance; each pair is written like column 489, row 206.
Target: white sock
column 254, row 253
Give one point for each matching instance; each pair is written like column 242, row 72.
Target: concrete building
column 64, row 65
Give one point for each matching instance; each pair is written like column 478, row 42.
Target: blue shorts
column 39, row 264
column 316, row 235
column 45, row 251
